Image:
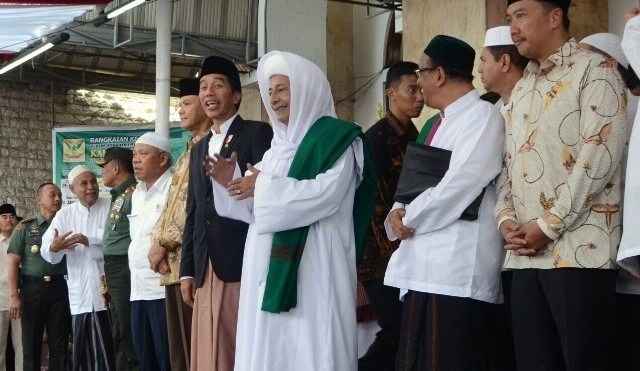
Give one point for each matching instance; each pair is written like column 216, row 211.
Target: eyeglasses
column 426, row 69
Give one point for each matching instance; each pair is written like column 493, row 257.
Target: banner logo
column 73, row 150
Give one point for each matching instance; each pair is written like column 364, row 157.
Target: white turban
column 608, row 43
column 498, row 36
column 275, row 65
column 156, row 140
column 77, row 171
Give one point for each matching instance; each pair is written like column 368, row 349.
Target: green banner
column 76, row 146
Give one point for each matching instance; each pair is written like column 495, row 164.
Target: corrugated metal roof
column 200, row 28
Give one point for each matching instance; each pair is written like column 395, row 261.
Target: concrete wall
column 369, row 38
column 423, row 19
column 340, row 57
column 299, row 27
column 617, row 8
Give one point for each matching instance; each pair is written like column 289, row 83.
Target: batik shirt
column 169, row 228
column 565, row 129
column 388, row 139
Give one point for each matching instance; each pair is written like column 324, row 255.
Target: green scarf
column 424, row 132
column 325, row 142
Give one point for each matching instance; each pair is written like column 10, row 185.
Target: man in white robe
column 448, row 269
column 317, row 329
column 76, row 232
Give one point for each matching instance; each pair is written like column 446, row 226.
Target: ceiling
column 120, row 55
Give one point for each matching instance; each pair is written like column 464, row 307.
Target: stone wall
column 28, row 113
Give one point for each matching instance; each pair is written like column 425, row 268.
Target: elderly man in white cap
column 151, row 163
column 501, row 66
column 76, row 234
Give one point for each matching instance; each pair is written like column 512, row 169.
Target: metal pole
column 163, row 65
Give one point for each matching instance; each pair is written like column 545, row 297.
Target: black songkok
column 450, row 52
column 222, row 66
column 189, row 87
column 7, row 209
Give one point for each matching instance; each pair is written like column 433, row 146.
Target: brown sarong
column 215, row 318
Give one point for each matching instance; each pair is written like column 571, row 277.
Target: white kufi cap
column 608, row 43
column 275, row 65
column 498, row 36
column 77, row 171
column 154, row 139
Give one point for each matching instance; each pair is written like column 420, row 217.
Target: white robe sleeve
column 285, row 203
column 630, row 243
column 631, row 42
column 47, row 239
column 228, row 206
column 475, row 162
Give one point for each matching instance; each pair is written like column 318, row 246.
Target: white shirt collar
column 461, row 104
column 158, row 184
column 225, row 126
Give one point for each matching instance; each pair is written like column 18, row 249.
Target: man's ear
column 505, row 63
column 442, row 76
column 555, row 17
column 164, row 161
column 391, row 94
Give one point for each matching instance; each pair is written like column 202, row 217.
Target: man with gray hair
column 76, row 233
column 151, row 163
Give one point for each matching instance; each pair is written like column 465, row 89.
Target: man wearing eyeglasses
column 8, row 222
column 448, row 269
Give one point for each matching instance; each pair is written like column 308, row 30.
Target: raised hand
column 221, row 169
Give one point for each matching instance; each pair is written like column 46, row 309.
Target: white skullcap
column 498, row 36
column 275, row 65
column 77, row 171
column 155, row 140
column 608, row 43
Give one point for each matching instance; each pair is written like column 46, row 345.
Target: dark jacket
column 208, row 236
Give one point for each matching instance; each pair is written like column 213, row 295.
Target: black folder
column 423, row 168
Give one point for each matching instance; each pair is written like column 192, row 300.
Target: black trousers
column 563, row 319
column 45, row 304
column 179, row 316
column 446, row 333
column 118, row 277
column 387, row 307
column 627, row 332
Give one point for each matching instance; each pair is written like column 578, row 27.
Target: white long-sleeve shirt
column 85, row 264
column 447, row 255
column 4, row 281
column 146, row 206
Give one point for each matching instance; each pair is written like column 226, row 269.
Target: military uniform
column 44, row 296
column 115, row 244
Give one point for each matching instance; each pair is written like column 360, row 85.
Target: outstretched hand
column 221, row 169
column 64, row 241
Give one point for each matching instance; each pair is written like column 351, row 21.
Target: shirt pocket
column 440, row 245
